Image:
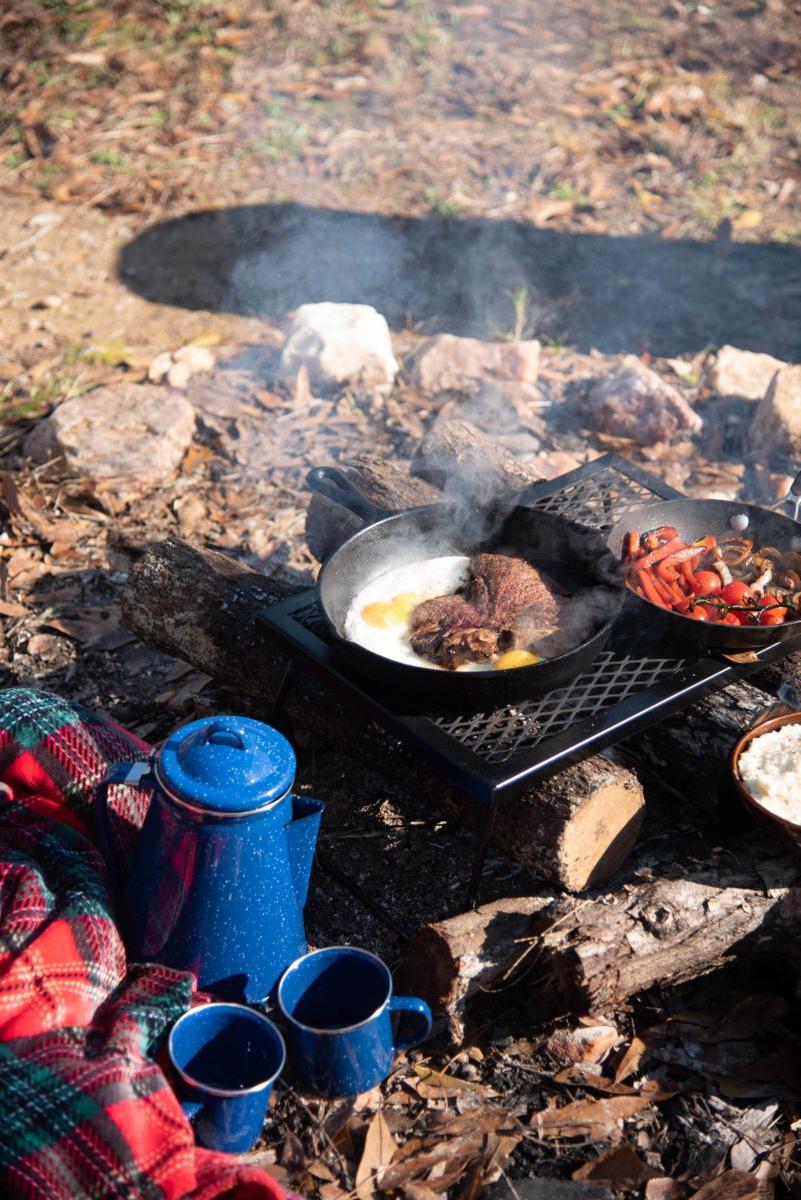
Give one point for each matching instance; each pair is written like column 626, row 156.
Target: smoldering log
column 671, row 919
column 383, row 482
column 199, row 605
column 457, row 449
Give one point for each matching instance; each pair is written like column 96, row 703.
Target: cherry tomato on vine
column 703, row 612
column 737, row 593
column 773, row 616
column 707, row 583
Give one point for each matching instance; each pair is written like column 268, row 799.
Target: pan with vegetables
column 725, row 575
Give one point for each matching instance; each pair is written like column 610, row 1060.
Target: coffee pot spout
column 301, row 835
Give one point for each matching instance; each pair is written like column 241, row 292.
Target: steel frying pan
column 574, row 557
column 694, row 519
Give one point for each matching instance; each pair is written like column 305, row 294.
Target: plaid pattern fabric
column 85, row 1110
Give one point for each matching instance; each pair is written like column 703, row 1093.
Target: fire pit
column 639, row 679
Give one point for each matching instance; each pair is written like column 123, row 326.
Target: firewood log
column 383, row 482
column 202, row 607
column 457, row 449
column 591, row 955
column 702, row 885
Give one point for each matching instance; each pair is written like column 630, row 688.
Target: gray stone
column 742, row 373
column 126, row 439
column 634, row 402
column 339, row 343
column 775, row 432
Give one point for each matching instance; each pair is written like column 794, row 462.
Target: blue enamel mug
column 338, row 1005
column 226, row 1058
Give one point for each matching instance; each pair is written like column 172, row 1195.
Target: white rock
column 179, row 375
column 197, row 358
column 159, row 367
column 776, row 429
column 339, row 343
column 743, row 373
column 125, row 440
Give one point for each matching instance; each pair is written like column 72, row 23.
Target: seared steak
column 451, row 632
column 458, row 629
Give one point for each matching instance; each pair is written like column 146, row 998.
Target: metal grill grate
column 598, row 500
column 516, row 729
column 633, row 683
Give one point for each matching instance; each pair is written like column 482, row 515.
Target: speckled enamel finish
column 226, row 1059
column 339, row 1006
column 213, row 889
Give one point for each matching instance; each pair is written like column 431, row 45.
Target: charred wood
column 457, row 449
column 383, row 482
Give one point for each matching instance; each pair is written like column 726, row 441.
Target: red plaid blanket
column 85, row 1110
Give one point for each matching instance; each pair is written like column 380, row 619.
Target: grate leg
column 480, row 858
column 279, row 693
column 356, row 889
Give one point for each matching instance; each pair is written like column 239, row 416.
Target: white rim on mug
column 226, row 1093
column 339, row 1028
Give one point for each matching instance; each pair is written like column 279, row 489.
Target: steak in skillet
column 451, row 632
column 458, row 629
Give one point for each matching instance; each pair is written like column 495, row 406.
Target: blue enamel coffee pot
column 221, row 870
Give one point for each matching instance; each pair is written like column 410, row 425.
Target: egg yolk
column 515, row 658
column 396, row 611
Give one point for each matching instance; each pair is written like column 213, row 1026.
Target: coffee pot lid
column 226, row 764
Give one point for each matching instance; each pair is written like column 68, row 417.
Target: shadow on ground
column 637, row 293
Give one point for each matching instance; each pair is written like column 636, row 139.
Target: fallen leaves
column 620, row 1165
column 379, row 1150
column 595, row 1120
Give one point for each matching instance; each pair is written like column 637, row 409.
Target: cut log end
column 600, row 836
column 590, row 816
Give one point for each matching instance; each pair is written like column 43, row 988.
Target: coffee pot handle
column 134, row 774
column 412, row 1004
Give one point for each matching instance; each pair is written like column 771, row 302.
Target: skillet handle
column 335, row 485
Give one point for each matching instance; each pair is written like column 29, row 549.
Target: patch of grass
column 521, row 327
column 155, row 117
column 442, row 206
column 563, row 190
column 622, row 111
column 425, row 31
column 17, row 404
column 769, row 118
column 110, row 158
column 632, row 22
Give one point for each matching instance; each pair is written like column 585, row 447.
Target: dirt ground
column 609, row 177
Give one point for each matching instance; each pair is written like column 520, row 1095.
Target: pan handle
column 335, row 485
column 792, row 496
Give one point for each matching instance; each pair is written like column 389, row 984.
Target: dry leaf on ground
column 594, row 1119
column 620, row 1165
column 379, row 1150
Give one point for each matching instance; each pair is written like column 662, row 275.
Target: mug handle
column 412, row 1004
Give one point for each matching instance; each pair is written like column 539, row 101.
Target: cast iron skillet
column 694, row 519
column 575, row 557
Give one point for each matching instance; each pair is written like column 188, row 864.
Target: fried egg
column 378, row 617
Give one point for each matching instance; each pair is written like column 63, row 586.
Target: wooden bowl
column 790, row 829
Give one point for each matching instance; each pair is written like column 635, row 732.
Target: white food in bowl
column 771, row 771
